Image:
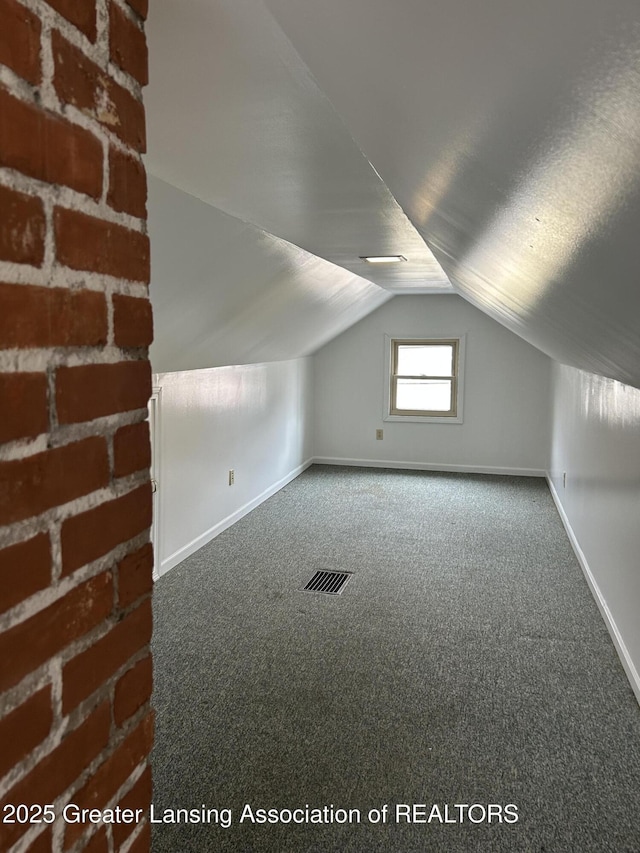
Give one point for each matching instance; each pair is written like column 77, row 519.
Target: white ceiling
column 508, row 133
column 225, row 292
column 235, row 119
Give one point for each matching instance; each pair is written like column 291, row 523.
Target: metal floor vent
column 331, row 583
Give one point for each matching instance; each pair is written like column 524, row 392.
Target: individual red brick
column 24, row 728
column 130, row 124
column 47, row 147
column 127, row 184
column 86, row 243
column 139, row 797
column 112, row 774
column 81, row 13
column 127, row 45
column 36, row 483
column 135, row 575
column 55, row 773
column 29, row 644
column 133, row 690
column 88, row 536
column 140, row 6
column 51, row 317
column 77, row 79
column 20, row 41
column 80, row 82
column 25, row 568
column 22, row 226
column 132, row 321
column 23, row 403
column 95, row 390
column 131, row 449
column 93, row 667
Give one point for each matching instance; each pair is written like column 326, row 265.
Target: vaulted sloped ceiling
column 503, row 135
column 226, row 292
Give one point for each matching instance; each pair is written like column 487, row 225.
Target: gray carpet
column 465, row 663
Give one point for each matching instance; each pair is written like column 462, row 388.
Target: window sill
column 418, row 419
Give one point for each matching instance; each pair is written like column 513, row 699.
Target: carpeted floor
column 465, row 663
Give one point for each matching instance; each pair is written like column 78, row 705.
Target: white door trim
column 154, row 472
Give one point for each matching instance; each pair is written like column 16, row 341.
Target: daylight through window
column 424, row 378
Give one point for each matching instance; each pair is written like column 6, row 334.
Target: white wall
column 506, row 407
column 596, row 441
column 253, row 418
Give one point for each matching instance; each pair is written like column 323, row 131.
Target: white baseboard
column 616, row 636
column 197, row 543
column 430, row 466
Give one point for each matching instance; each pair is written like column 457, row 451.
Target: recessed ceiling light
column 383, row 259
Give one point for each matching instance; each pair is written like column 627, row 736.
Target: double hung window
column 425, row 378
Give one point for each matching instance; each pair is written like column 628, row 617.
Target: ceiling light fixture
column 383, row 259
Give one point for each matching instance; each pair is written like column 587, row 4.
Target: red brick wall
column 75, row 502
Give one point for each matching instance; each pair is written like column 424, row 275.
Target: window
column 425, row 379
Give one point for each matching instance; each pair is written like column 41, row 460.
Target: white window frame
column 458, row 418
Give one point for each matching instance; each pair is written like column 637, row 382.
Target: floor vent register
column 330, row 583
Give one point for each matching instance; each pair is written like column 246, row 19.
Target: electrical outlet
column 379, row 434
column 232, row 476
column 564, row 479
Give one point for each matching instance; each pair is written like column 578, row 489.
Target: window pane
column 435, row 360
column 430, row 395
